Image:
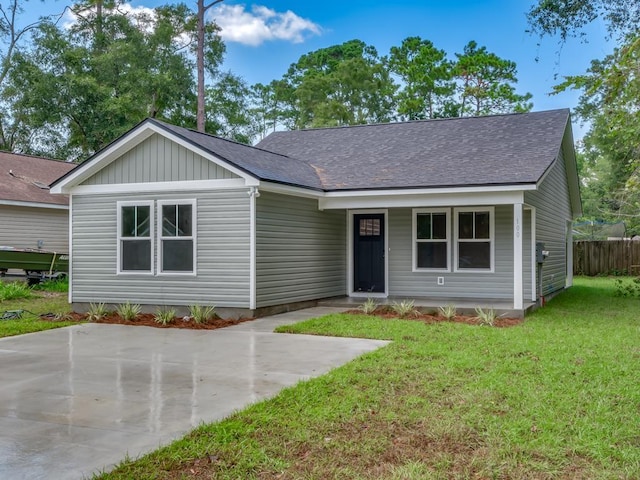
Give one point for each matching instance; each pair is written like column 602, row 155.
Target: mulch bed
column 430, row 318
column 147, row 320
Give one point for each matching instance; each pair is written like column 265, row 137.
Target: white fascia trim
column 424, row 199
column 160, row 187
column 53, row 206
column 290, row 190
column 130, row 140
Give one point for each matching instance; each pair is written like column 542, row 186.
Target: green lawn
column 40, row 302
column 556, row 397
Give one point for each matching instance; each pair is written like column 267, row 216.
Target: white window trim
column 492, row 239
column 193, row 237
column 134, row 203
column 415, row 240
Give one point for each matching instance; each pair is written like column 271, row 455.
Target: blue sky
column 265, row 37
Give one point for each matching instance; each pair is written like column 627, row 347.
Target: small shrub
column 368, row 307
column 14, row 290
column 164, row 316
column 404, row 308
column 97, row 311
column 129, row 311
column 627, row 288
column 62, row 317
column 448, row 311
column 57, row 285
column 486, row 317
column 201, row 313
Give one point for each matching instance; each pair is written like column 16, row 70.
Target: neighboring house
column 29, row 216
column 443, row 209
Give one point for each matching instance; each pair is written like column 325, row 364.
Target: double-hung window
column 135, row 237
column 176, row 228
column 474, row 236
column 431, row 239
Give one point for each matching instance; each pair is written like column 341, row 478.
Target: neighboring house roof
column 469, row 151
column 25, row 179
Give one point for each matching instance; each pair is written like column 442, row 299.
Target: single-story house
column 446, row 209
column 30, row 217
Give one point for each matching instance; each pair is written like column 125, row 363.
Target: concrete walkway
column 76, row 400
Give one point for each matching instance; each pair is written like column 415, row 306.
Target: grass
column 37, row 304
column 556, row 397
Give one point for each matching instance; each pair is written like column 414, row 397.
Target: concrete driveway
column 76, row 400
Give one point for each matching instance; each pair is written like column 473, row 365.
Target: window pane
column 177, row 255
column 136, row 255
column 128, row 221
column 465, row 225
column 432, row 254
column 169, row 220
column 424, row 226
column 184, row 220
column 369, row 227
column 474, row 255
column 144, row 227
column 439, row 226
column 482, row 225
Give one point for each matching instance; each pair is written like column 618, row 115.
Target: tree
column 13, row 134
column 229, row 109
column 273, row 106
column 427, row 78
column 344, row 84
column 90, row 90
column 569, row 17
column 486, row 83
column 205, row 32
column 610, row 101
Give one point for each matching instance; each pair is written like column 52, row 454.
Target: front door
column 368, row 253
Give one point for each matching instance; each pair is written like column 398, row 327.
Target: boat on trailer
column 38, row 265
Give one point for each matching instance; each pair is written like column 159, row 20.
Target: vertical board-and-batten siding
column 158, row 159
column 464, row 285
column 553, row 210
column 222, row 253
column 300, row 251
column 23, row 227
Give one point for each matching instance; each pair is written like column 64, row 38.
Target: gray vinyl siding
column 23, row 227
column 222, row 253
column 300, row 251
column 464, row 285
column 158, row 159
column 553, row 210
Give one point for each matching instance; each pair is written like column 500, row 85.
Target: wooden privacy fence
column 604, row 257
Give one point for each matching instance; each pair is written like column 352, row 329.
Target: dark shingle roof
column 260, row 163
column 470, row 151
column 24, row 178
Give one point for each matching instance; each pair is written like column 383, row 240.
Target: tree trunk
column 200, row 115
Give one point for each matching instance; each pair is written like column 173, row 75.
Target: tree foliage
column 610, row 101
column 92, row 82
column 569, row 17
column 344, row 84
column 427, row 78
column 486, row 83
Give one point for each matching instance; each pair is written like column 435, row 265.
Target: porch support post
column 517, row 256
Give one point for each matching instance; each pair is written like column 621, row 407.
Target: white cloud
column 70, row 18
column 261, row 24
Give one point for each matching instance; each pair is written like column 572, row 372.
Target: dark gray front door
column 368, row 253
